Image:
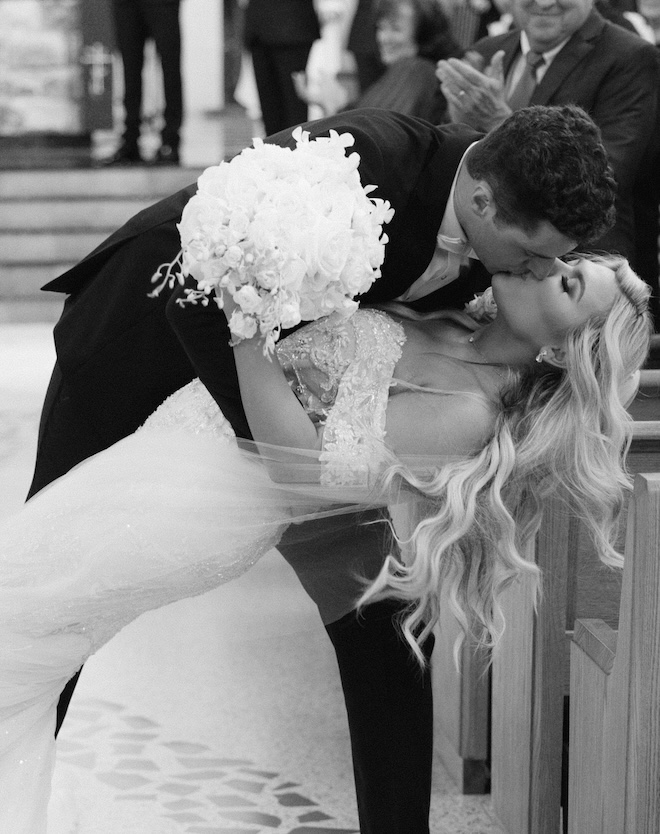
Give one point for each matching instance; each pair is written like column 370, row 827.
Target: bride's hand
column 243, row 328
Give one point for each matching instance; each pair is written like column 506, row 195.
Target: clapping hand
column 474, row 93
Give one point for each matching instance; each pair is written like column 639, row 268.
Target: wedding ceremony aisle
column 221, row 713
column 216, row 715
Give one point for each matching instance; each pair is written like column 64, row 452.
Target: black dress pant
column 273, row 64
column 136, row 21
column 390, row 716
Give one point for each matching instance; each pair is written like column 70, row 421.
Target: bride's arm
column 273, row 411
column 416, row 423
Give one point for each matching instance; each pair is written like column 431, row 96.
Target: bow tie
column 457, row 245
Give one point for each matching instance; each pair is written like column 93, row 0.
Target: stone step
column 138, row 181
column 17, row 248
column 24, row 281
column 74, row 214
column 48, row 308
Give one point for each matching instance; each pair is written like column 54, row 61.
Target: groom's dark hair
column 548, row 163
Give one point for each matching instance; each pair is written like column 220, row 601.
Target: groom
column 528, row 192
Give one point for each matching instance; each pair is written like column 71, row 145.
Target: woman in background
column 412, row 35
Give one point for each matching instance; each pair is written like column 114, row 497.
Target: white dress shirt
column 452, row 251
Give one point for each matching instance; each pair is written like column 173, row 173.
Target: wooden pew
column 530, row 673
column 582, row 588
column 615, row 693
column 461, row 725
column 462, row 716
column 646, row 405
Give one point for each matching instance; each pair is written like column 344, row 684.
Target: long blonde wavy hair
column 565, row 430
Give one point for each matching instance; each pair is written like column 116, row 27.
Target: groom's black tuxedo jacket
column 118, row 355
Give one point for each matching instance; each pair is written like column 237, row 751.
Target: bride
column 467, row 426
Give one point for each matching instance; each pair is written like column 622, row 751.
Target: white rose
column 339, row 204
column 483, row 306
column 328, row 248
column 292, row 274
column 249, row 300
column 233, row 257
column 196, row 214
column 233, row 187
column 214, row 270
column 376, row 251
column 212, row 180
column 267, row 279
column 263, row 231
column 357, row 275
column 290, row 313
column 490, row 307
column 242, row 327
column 238, row 225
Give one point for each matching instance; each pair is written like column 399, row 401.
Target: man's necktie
column 522, row 92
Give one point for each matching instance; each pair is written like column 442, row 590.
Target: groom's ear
column 481, row 199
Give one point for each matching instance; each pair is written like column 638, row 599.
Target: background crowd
column 462, row 60
column 442, row 60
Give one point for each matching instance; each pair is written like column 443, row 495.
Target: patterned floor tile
column 294, row 800
column 186, row 783
column 314, row 816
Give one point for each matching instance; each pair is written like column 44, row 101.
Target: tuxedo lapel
column 578, row 47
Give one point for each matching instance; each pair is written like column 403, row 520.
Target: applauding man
column 565, row 52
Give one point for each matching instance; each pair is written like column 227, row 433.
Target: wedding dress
column 170, row 512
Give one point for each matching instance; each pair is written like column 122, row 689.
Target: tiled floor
column 218, row 714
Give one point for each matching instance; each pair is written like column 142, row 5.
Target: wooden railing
column 531, row 668
column 614, row 783
column 524, row 748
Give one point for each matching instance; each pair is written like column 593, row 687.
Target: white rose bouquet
column 483, row 306
column 291, row 234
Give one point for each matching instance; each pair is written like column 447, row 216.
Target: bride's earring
column 541, row 356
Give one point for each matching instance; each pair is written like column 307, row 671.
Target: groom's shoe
column 166, row 155
column 125, row 155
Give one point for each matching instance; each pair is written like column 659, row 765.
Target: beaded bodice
column 341, row 371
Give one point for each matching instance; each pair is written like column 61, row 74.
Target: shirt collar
column 450, row 230
column 548, row 56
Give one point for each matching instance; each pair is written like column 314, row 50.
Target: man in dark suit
column 135, row 22
column 279, row 34
column 118, row 358
column 586, row 60
column 363, row 45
